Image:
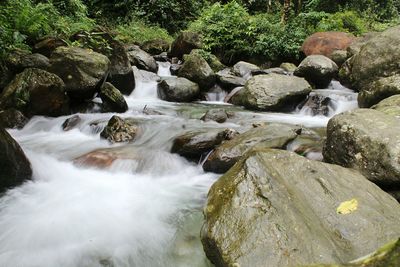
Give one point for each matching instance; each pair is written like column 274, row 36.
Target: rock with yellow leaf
column 275, row 208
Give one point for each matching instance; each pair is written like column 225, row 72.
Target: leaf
column 347, row 207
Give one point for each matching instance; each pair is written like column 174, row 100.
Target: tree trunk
column 286, row 11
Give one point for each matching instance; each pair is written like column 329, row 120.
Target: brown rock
column 324, row 43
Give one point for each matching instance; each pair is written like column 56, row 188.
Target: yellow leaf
column 347, row 207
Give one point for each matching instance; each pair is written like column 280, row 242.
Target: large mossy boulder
column 275, row 208
column 366, row 140
column 272, row 92
column 319, row 70
column 82, row 70
column 18, row 60
column 389, row 106
column 196, row 69
column 36, row 92
column 185, row 43
column 141, row 59
column 112, row 99
column 376, row 68
column 176, row 89
column 325, row 43
column 14, row 165
column 273, row 135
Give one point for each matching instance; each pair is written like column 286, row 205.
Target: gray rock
column 14, row 165
column 367, row 140
column 289, row 67
column 18, row 61
column 244, row 69
column 229, row 81
column 178, row 90
column 141, row 59
column 389, row 106
column 71, row 123
column 119, row 130
column 378, row 90
column 275, row 208
column 196, row 69
column 273, row 135
column 318, row 70
column 12, row 118
column 339, row 57
column 36, row 92
column 273, row 92
column 217, row 114
column 82, row 70
column 112, row 99
column 185, row 43
column 317, row 104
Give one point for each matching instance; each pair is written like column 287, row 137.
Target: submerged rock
column 367, row 140
column 318, row 70
column 185, row 43
column 82, row 70
column 119, row 130
column 273, row 135
column 71, row 123
column 178, row 90
column 12, row 118
column 112, row 99
column 14, row 165
column 36, row 92
column 217, row 114
column 196, row 69
column 273, row 92
column 275, row 208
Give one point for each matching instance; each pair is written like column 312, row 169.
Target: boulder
column 275, row 208
column 324, row 43
column 156, row 46
column 141, row 59
column 176, row 89
column 243, row 69
column 229, row 81
column 289, row 67
column 273, row 92
column 6, row 75
column 339, row 57
column 196, row 69
column 12, row 118
column 366, row 140
column 344, row 75
column 113, row 100
column 318, row 70
column 47, row 45
column 356, row 45
column 82, row 70
column 389, row 106
column 14, row 165
column 376, row 68
column 273, row 135
column 36, row 92
column 119, row 130
column 235, row 96
column 175, row 68
column 216, row 114
column 20, row 60
column 214, row 63
column 269, row 71
column 71, row 123
column 316, row 105
column 195, row 144
column 185, row 43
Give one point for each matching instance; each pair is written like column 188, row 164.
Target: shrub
column 347, row 21
column 137, row 31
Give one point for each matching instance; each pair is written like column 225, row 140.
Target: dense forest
column 231, row 29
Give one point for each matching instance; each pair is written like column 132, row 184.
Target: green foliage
column 137, row 31
column 347, row 21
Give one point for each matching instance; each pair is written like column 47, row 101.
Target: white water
column 143, row 210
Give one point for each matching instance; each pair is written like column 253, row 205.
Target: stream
column 143, row 210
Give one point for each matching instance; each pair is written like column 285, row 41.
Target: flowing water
column 144, row 210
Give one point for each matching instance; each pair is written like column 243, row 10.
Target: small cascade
column 164, row 69
column 216, row 95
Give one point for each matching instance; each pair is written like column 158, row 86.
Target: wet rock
column 178, row 90
column 119, row 130
column 325, row 43
column 273, row 202
column 339, row 57
column 235, row 96
column 36, row 92
column 229, row 81
column 244, row 69
column 185, row 43
column 366, row 140
column 163, row 57
column 14, row 165
column 318, row 70
column 317, row 105
column 48, row 45
column 141, row 59
column 112, row 99
column 104, row 158
column 82, row 70
column 156, row 47
column 273, row 92
column 389, row 106
column 289, row 67
column 175, row 68
column 195, row 144
column 196, row 69
column 18, row 61
column 71, row 123
column 375, row 69
column 218, row 114
column 273, row 135
column 12, row 118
